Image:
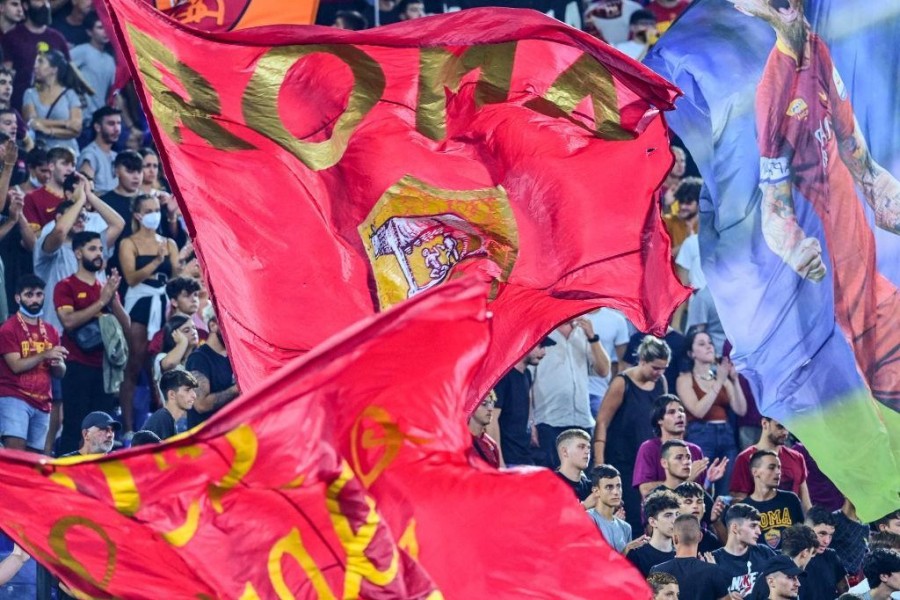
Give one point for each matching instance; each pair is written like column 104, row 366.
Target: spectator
column 129, row 173
column 623, row 424
column 778, row 509
column 23, row 135
column 773, row 437
column 742, row 560
column 666, row 11
column 98, row 434
column 180, row 339
column 11, row 14
column 52, row 108
column 179, row 391
column 782, row 577
column 574, row 449
column 21, row 44
column 512, row 413
column 183, row 293
column 152, row 184
column 697, row 579
column 9, row 127
column 606, row 487
column 827, row 577
column 673, row 181
column 96, row 65
column 889, row 522
column 882, row 570
column 886, row 540
column 144, row 438
column 684, row 222
column 663, row 586
column 80, row 300
column 702, row 313
column 850, row 538
column 673, row 339
column 411, row 9
column 708, row 393
column 483, row 444
column 642, row 34
column 72, row 25
column 612, row 328
column 351, row 20
column 675, row 458
column 668, row 421
column 799, row 543
column 12, row 563
column 147, row 260
column 150, row 180
column 661, row 509
column 610, row 18
column 38, row 165
column 96, row 159
column 31, row 354
column 15, row 226
column 561, row 399
column 693, row 500
column 210, row 365
column 41, row 204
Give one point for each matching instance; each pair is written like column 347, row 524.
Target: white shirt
column 612, row 328
column 561, row 382
column 615, row 31
column 689, row 259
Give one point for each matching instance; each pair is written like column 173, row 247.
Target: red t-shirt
column 78, row 295
column 793, row 471
column 40, row 207
column 664, row 15
column 24, row 339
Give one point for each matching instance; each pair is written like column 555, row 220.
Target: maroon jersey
column 24, row 339
column 40, row 207
column 78, row 295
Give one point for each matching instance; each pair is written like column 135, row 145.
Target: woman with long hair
column 52, row 107
column 151, row 181
column 623, row 422
column 708, row 391
column 153, row 185
column 148, row 260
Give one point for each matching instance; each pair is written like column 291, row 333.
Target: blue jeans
column 717, row 440
column 21, row 420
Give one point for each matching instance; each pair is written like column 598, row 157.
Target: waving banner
column 257, row 504
column 796, row 128
column 327, row 175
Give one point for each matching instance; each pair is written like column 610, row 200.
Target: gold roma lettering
column 197, row 112
column 260, row 102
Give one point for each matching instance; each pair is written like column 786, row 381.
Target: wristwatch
column 594, row 338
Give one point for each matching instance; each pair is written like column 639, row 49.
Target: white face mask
column 151, row 220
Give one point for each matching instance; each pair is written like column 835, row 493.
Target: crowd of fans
column 109, row 339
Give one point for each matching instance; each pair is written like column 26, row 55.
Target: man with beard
column 778, row 509
column 793, row 465
column 512, row 422
column 98, row 434
column 80, row 299
column 215, row 377
column 31, row 354
column 809, row 141
column 22, row 43
column 96, row 159
column 11, row 14
column 179, row 391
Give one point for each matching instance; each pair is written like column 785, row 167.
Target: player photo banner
column 327, row 175
column 792, row 113
column 335, row 478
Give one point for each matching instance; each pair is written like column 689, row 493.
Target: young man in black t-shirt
column 697, row 579
column 799, row 543
column 826, row 576
column 209, row 364
column 574, row 449
column 693, row 500
column 778, row 509
column 512, row 412
column 661, row 510
column 179, row 391
column 741, row 559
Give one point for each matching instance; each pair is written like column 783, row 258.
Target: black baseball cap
column 100, row 420
column 546, row 343
column 782, row 564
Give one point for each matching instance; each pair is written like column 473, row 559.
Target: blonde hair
column 652, row 348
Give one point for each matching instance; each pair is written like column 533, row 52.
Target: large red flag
column 257, row 504
column 327, row 175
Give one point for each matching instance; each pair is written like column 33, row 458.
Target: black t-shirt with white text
column 744, row 570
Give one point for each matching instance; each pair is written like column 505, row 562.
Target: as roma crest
column 417, row 236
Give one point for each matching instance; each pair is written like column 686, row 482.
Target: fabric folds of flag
column 799, row 145
column 327, row 175
column 259, row 504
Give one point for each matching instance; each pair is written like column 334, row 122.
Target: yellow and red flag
column 232, row 15
column 327, row 175
column 257, row 504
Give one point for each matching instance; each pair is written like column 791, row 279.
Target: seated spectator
column 52, row 108
column 642, row 34
column 778, row 509
column 484, row 445
column 606, row 487
column 693, row 500
column 708, row 394
column 697, row 578
column 622, row 423
column 179, row 391
column 668, row 421
column 661, row 509
column 351, row 20
column 512, row 413
column 799, row 543
column 793, row 474
column 98, row 434
column 96, row 159
column 663, row 586
column 41, row 204
column 610, row 19
column 210, row 365
column 742, row 559
column 574, row 449
column 827, row 576
column 882, row 570
column 22, row 43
